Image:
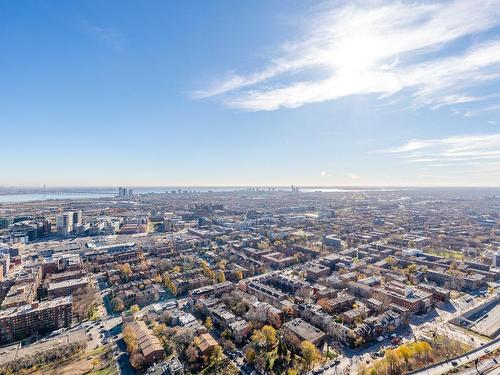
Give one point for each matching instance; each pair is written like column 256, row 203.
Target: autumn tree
column 220, row 276
column 130, row 339
column 217, row 355
column 393, row 360
column 208, row 323
column 238, row 275
column 137, row 360
column 169, row 284
column 309, row 353
column 125, row 269
column 250, row 354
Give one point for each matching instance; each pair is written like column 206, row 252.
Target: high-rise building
column 64, row 223
column 124, row 192
column 77, row 218
column 496, row 259
column 168, row 225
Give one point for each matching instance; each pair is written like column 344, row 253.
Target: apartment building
column 17, row 323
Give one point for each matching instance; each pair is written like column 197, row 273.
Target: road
column 443, row 368
column 488, row 366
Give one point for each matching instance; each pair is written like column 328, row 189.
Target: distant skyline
column 261, row 93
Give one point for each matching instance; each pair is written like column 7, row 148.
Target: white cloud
column 478, row 152
column 368, row 48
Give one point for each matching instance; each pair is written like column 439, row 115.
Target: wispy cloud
column 369, row 48
column 104, row 34
column 480, row 152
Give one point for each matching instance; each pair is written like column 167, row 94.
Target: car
column 454, row 363
column 486, row 351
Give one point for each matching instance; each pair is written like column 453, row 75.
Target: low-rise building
column 304, row 331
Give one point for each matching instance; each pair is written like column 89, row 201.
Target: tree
column 228, row 345
column 393, row 361
column 134, row 309
column 238, row 275
column 169, row 284
column 359, row 341
column 117, row 304
column 411, row 269
column 125, row 269
column 250, row 354
column 130, row 339
column 325, row 305
column 176, row 269
column 269, row 335
column 137, row 360
column 310, row 354
column 182, row 338
column 265, row 337
column 221, row 277
column 216, row 356
column 192, row 354
column 160, row 330
column 85, row 301
column 208, row 323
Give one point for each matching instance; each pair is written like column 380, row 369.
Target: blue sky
column 147, row 93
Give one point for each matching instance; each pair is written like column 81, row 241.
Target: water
column 19, row 198
column 109, row 193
